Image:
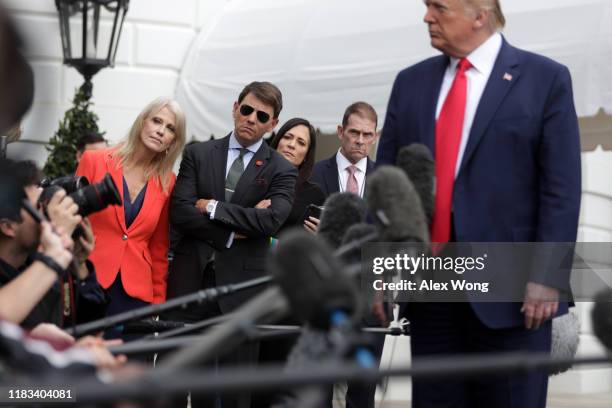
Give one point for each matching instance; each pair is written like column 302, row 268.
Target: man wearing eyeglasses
column 224, row 237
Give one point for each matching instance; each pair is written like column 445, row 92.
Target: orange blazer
column 140, row 252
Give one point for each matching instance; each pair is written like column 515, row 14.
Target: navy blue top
column 132, row 209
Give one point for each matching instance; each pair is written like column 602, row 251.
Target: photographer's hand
column 55, row 244
column 63, row 212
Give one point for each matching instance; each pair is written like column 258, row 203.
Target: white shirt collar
column 483, row 58
column 343, row 163
column 233, row 144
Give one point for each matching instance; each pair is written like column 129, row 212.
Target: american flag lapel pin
column 507, row 77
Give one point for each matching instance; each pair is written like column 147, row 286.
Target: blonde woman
column 131, row 248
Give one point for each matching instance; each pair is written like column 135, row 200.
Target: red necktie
column 449, row 128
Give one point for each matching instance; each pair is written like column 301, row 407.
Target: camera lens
column 96, row 197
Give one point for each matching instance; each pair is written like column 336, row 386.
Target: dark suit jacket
column 325, row 174
column 202, row 175
column 519, row 180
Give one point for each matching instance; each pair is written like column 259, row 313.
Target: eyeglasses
column 246, row 110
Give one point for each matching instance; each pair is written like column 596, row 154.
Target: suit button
column 124, row 237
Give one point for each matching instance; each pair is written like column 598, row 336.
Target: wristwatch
column 210, row 207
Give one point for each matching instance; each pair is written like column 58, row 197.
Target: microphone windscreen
column 396, row 206
column 341, row 211
column 358, row 231
column 418, row 164
column 601, row 316
column 565, row 340
column 312, row 278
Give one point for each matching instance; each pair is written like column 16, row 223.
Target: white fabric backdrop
column 325, row 54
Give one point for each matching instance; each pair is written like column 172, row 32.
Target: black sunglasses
column 246, row 110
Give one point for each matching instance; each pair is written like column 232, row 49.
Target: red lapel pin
column 258, row 163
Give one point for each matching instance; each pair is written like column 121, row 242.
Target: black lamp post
column 90, row 31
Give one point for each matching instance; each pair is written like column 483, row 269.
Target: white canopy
column 326, row 54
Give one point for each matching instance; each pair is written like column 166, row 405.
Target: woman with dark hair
column 296, row 140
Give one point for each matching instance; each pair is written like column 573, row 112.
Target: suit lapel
column 331, row 175
column 430, row 103
column 494, row 93
column 256, row 165
column 219, row 164
column 116, row 173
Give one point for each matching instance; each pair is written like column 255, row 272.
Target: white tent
column 326, row 54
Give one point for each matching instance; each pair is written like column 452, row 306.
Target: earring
column 167, row 151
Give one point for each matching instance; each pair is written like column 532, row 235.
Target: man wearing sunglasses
column 224, row 237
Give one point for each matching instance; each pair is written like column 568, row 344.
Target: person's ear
column 482, row 19
column 8, row 227
column 340, row 132
column 272, row 124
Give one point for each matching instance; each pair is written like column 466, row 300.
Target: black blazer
column 202, row 175
column 325, row 174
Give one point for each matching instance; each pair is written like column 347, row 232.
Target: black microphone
column 312, row 279
column 418, row 164
column 341, row 211
column 354, row 238
column 323, row 295
column 396, row 207
column 601, row 316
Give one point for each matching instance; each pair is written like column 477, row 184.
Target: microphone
column 396, row 206
column 312, row 279
column 601, row 316
column 322, row 294
column 269, row 305
column 204, row 295
column 416, row 161
column 354, row 238
column 341, row 211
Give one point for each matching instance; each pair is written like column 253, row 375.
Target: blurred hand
column 55, row 244
column 63, row 212
column 264, row 204
column 540, row 304
column 378, row 310
column 102, row 358
column 53, row 334
column 201, row 204
column 311, row 224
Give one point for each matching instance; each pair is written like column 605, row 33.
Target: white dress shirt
column 343, row 163
column 482, row 60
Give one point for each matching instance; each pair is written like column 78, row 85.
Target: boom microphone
column 416, row 161
column 396, row 206
column 341, row 211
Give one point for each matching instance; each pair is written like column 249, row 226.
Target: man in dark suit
column 224, row 238
column 347, row 171
column 502, row 126
column 348, row 168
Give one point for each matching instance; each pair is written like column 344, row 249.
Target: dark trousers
column 453, row 329
column 245, row 354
